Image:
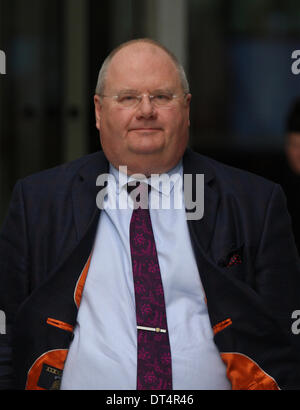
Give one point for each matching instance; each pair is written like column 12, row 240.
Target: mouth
column 145, row 129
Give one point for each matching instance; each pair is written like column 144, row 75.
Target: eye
column 162, row 99
column 126, row 98
column 163, row 96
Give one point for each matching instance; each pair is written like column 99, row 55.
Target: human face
column 147, row 139
column 293, row 151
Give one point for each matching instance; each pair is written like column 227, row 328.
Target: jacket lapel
column 84, row 192
column 202, row 229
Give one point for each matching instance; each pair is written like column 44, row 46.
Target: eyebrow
column 159, row 90
column 128, row 91
column 139, row 92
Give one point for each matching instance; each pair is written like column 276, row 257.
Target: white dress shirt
column 103, row 353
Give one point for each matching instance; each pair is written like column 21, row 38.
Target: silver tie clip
column 152, row 329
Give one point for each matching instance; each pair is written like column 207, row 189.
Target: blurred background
column 237, row 55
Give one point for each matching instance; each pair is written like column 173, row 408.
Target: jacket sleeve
column 14, row 268
column 278, row 265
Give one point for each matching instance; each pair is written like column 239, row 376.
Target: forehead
column 142, row 66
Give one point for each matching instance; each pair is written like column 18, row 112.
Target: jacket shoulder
column 234, row 179
column 65, row 172
column 54, row 186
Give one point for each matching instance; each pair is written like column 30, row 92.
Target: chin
column 146, row 149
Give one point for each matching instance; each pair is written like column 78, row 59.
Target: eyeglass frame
column 140, row 98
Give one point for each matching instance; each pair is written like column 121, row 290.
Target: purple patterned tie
column 154, row 370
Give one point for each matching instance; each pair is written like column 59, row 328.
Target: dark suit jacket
column 244, row 249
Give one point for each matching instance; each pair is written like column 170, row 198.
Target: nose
column 145, row 108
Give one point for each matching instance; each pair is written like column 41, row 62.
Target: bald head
column 134, row 48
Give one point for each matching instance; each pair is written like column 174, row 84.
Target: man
column 288, row 169
column 75, row 275
column 290, row 173
column 292, row 146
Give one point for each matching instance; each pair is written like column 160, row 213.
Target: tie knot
column 139, row 193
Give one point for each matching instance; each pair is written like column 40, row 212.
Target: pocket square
column 232, row 257
column 235, row 259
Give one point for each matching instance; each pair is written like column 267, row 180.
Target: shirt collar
column 154, row 181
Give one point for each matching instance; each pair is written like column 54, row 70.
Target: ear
column 188, row 102
column 98, row 108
